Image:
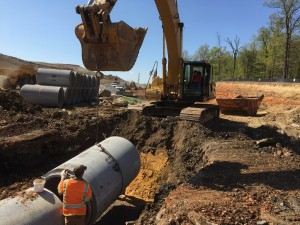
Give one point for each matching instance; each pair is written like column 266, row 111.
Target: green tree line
column 274, row 51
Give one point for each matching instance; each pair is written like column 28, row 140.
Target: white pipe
column 54, row 77
column 30, row 208
column 89, row 81
column 78, row 79
column 43, row 95
column 75, row 94
column 68, row 95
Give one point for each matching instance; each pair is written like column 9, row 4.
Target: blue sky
column 44, row 30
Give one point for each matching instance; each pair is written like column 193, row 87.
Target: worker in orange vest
column 76, row 192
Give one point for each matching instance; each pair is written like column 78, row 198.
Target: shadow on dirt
column 276, row 139
column 223, row 175
column 244, row 114
column 228, row 129
column 125, row 213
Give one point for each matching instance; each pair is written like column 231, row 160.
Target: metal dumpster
column 240, row 104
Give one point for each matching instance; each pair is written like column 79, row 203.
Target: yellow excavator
column 108, row 46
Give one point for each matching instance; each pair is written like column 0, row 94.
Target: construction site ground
column 234, row 170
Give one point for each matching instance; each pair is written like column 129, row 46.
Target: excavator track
column 201, row 113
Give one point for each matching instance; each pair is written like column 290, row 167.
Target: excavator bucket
column 107, row 46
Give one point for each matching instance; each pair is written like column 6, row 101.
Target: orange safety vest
column 75, row 194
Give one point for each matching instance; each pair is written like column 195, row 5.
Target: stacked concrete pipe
column 111, row 166
column 76, row 88
column 43, row 95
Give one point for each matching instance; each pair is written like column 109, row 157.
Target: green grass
column 132, row 100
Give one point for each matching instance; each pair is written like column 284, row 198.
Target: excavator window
column 193, row 81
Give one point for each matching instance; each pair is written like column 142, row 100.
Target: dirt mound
column 13, row 67
column 12, row 101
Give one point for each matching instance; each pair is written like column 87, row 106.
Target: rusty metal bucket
column 117, row 51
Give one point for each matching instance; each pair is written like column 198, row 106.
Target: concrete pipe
column 91, row 95
column 80, row 95
column 76, row 98
column 95, row 93
column 94, row 82
column 86, row 81
column 68, row 96
column 89, row 81
column 83, row 81
column 54, row 77
column 86, row 94
column 30, row 208
column 78, row 80
column 43, row 95
column 80, row 98
column 98, row 82
column 73, row 93
column 111, row 167
column 82, row 91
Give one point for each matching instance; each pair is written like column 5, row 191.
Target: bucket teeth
column 107, row 46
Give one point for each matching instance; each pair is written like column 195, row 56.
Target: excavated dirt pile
column 236, row 170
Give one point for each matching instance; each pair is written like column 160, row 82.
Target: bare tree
column 220, row 52
column 186, row 56
column 289, row 15
column 235, row 50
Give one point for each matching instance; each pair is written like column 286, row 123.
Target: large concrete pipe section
column 78, row 77
column 54, row 77
column 43, row 95
column 68, row 95
column 89, row 78
column 30, row 208
column 111, row 167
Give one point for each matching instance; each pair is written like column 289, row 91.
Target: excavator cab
column 107, row 46
column 197, row 81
